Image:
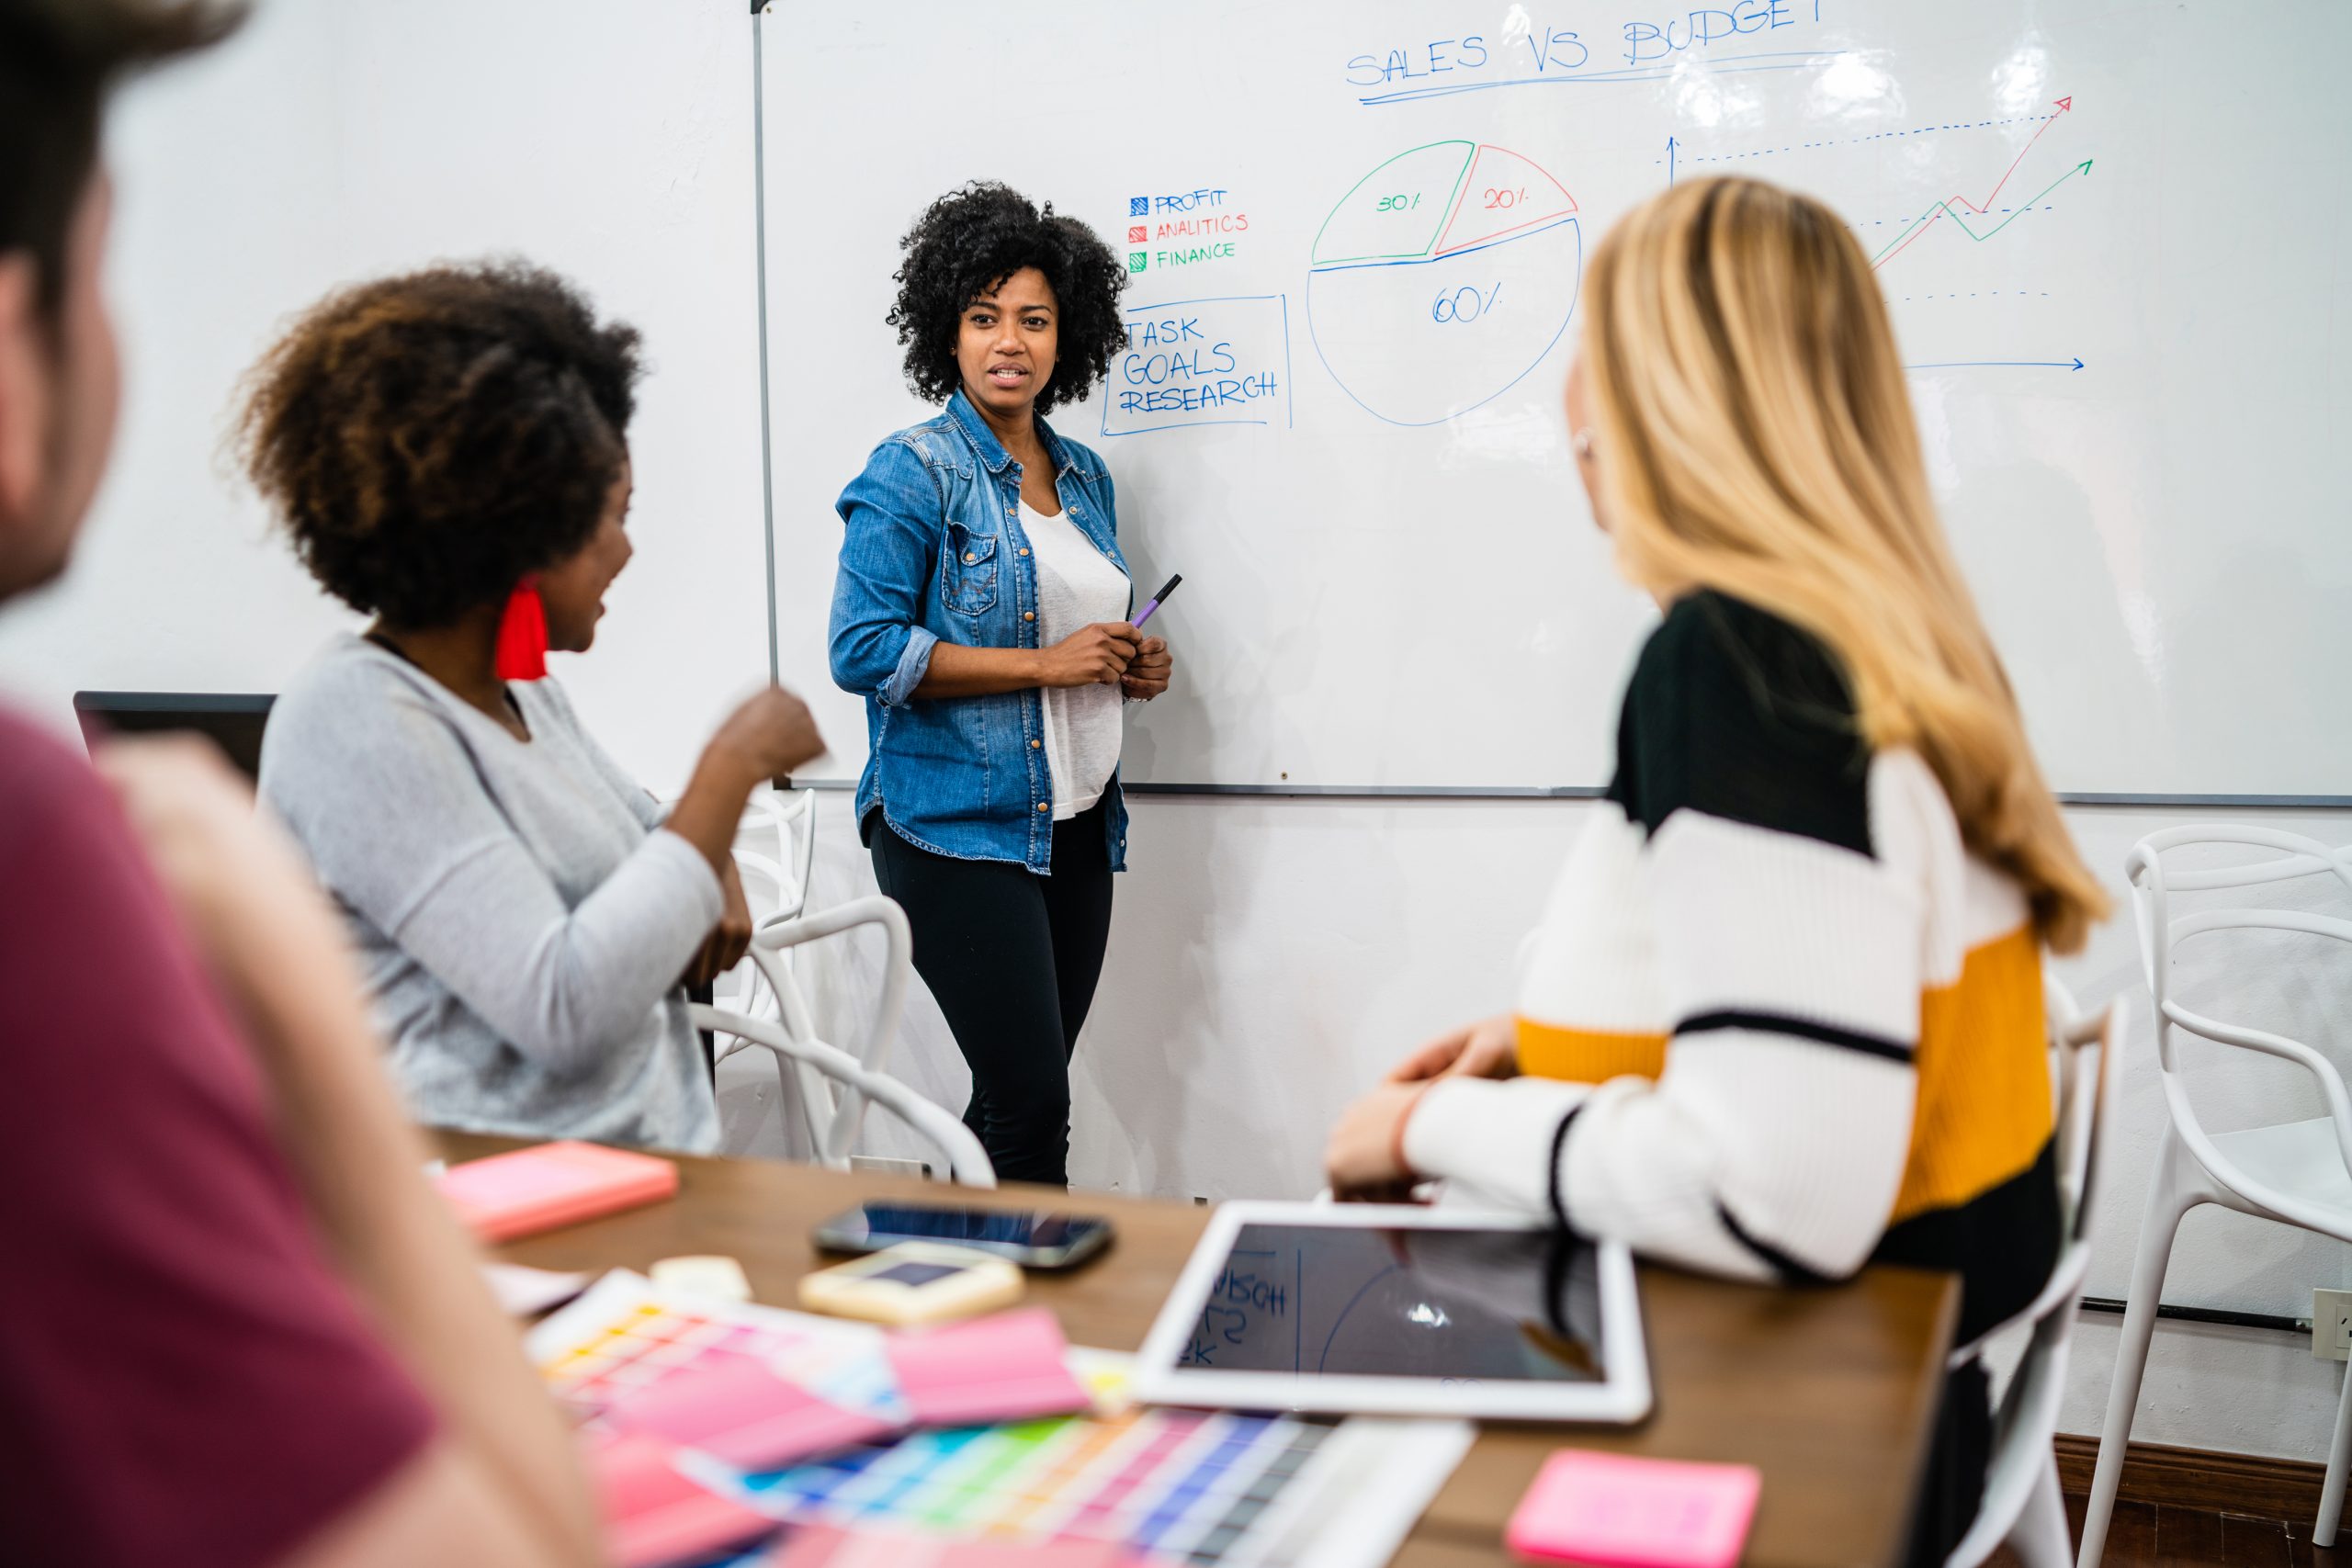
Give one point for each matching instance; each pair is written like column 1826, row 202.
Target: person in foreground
column 1783, row 1014
column 448, row 452
column 241, row 1330
column 980, row 610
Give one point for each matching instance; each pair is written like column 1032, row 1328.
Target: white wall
column 1268, row 958
column 329, row 143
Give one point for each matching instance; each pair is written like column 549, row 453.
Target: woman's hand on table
column 1147, row 676
column 1487, row 1049
column 1364, row 1161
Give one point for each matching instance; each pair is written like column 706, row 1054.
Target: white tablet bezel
column 1622, row 1395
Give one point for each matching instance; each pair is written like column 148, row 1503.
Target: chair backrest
column 804, row 1060
column 2084, row 1052
column 2082, row 1058
column 790, row 816
column 2154, row 882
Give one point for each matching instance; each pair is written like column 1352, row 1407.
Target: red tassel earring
column 522, row 635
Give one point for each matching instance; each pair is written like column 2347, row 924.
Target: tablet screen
column 1455, row 1305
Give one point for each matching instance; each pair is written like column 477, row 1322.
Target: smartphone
column 1032, row 1238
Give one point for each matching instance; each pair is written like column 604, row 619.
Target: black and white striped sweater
column 1777, row 1022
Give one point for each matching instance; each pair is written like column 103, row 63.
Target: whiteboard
column 2111, row 237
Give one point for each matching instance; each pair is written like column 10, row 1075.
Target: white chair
column 2298, row 1173
column 775, row 885
column 2022, row 1507
column 775, row 846
column 828, row 1087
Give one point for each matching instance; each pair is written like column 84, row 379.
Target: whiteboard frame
column 761, row 9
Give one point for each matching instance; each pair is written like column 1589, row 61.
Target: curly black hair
column 971, row 239
column 429, row 439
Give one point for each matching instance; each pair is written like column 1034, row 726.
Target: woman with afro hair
column 981, row 610
column 448, row 452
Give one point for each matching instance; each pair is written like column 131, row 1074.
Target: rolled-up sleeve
column 890, row 519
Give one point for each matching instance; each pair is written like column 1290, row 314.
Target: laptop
column 232, row 720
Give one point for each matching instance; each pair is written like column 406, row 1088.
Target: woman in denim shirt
column 981, row 610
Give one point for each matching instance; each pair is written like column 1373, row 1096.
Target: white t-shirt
column 1078, row 586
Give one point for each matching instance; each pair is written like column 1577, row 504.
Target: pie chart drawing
column 1441, row 279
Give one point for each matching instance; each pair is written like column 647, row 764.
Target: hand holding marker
column 1157, row 684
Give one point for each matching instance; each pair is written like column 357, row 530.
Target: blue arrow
column 1670, row 160
column 2075, row 364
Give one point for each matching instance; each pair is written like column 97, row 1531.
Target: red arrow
column 2063, row 103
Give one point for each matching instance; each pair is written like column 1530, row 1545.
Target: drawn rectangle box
column 1222, row 360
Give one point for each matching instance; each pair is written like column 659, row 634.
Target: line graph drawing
column 1959, row 209
column 1441, row 278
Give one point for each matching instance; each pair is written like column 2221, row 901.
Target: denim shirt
column 935, row 552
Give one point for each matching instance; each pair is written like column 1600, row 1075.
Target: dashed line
column 1882, row 222
column 1984, row 294
column 1857, row 140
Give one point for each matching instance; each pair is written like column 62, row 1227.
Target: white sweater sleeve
column 1774, row 1142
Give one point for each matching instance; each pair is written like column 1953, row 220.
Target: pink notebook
column 1615, row 1512
column 1006, row 1367
column 829, row 1546
column 539, row 1188
column 733, row 1408
column 654, row 1515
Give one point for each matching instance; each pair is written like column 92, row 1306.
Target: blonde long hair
column 1756, row 437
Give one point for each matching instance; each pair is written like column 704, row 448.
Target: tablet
column 1406, row 1310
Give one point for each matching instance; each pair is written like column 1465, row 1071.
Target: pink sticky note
column 733, row 1407
column 524, row 1192
column 1635, row 1513
column 829, row 1546
column 1003, row 1367
column 654, row 1515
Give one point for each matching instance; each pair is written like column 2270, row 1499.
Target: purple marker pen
column 1156, row 600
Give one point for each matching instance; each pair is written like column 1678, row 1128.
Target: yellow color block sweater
column 1777, row 1022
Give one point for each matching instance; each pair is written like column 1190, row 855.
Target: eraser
column 710, row 1274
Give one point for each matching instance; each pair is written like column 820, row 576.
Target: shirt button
column 1035, row 744
column 1043, row 805
column 970, row 560
column 1024, row 549
column 1028, row 614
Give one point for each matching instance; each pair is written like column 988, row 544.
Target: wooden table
column 1831, row 1394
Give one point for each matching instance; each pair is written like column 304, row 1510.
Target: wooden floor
column 2144, row 1535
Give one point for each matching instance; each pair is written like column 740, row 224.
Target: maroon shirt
column 183, row 1377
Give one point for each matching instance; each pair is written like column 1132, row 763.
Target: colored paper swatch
column 1007, row 1367
column 1615, row 1512
column 654, row 1515
column 627, row 1334
column 829, row 1546
column 1209, row 1490
column 735, row 1409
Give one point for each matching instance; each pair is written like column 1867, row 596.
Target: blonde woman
column 1783, row 1014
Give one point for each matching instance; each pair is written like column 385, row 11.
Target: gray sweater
column 521, row 919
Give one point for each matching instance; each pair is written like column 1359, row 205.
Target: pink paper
column 733, row 1408
column 1003, row 1367
column 654, row 1515
column 1635, row 1513
column 829, row 1546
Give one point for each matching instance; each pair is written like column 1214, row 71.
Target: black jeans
column 1012, row 958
